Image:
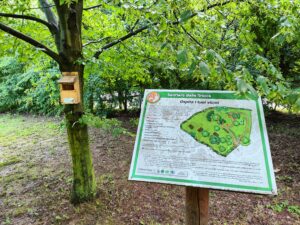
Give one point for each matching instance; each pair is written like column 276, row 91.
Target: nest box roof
column 67, row 80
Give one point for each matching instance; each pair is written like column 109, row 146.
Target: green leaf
column 297, row 105
column 186, row 15
column 246, row 88
column 262, row 81
column 292, row 98
column 252, row 91
column 286, row 23
column 242, row 86
column 192, row 67
column 163, row 45
column 182, row 56
column 210, row 55
column 220, row 59
column 204, row 69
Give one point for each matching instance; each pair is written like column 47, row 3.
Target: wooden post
column 196, row 206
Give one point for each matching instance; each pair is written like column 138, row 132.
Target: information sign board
column 210, row 139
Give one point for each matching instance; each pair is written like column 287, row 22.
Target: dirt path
column 35, row 180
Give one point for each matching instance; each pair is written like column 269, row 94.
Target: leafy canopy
column 249, row 46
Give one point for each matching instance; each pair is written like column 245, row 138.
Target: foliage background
column 249, row 46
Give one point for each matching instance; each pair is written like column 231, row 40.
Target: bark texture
column 70, row 51
column 84, row 185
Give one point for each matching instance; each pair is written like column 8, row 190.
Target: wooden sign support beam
column 197, row 204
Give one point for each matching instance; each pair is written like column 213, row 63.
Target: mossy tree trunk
column 70, row 52
column 84, row 186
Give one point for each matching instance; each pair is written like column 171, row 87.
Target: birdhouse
column 69, row 88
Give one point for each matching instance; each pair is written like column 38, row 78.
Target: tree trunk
column 120, row 99
column 84, row 185
column 70, row 51
column 125, row 102
column 91, row 101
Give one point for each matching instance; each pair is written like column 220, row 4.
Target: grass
column 9, row 161
column 294, row 209
column 14, row 127
column 282, row 206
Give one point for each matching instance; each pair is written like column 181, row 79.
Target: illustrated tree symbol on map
column 221, row 128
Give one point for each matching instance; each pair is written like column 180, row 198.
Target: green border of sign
column 214, row 95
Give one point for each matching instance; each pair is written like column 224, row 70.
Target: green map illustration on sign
column 220, row 128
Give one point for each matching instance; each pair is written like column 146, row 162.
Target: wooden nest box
column 69, row 88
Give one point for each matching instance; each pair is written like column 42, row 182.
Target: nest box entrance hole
column 68, row 87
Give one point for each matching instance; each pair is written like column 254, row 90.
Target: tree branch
column 134, row 25
column 130, row 34
column 207, row 8
column 133, row 33
column 92, row 7
column 191, row 36
column 137, row 54
column 187, row 33
column 51, row 18
column 31, row 41
column 51, row 27
column 94, row 41
column 28, row 9
column 225, row 31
